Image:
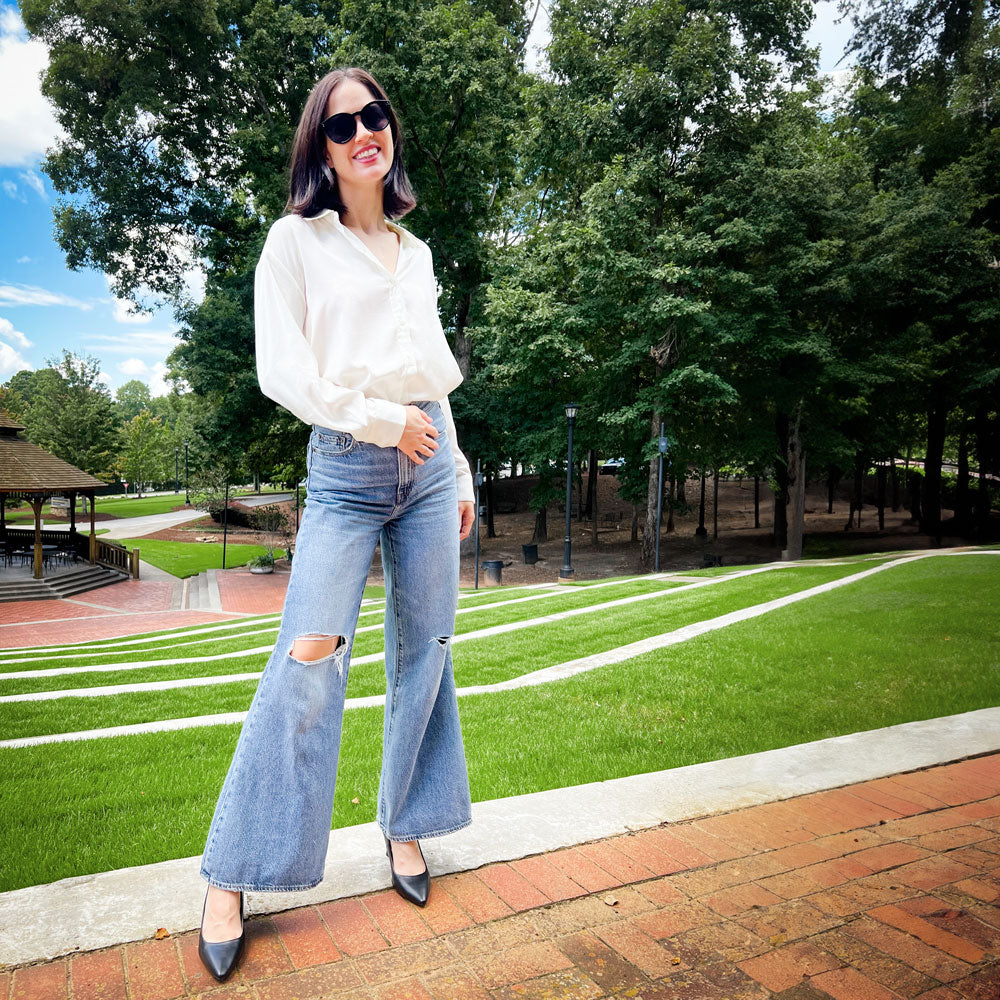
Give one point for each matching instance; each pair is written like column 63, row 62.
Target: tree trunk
column 779, row 530
column 670, row 503
column 541, row 533
column 796, row 478
column 894, row 479
column 963, row 514
column 880, row 474
column 647, row 553
column 591, row 483
column 937, row 418
column 982, row 490
column 700, row 531
column 756, row 501
column 832, row 478
column 715, row 505
column 635, row 523
column 681, row 483
column 857, row 497
column 463, row 346
column 914, row 484
column 592, row 497
column 491, row 531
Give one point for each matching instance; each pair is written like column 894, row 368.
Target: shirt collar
column 406, row 238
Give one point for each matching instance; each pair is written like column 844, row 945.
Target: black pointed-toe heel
column 220, row 957
column 414, row 888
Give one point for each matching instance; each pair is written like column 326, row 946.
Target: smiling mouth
column 367, row 154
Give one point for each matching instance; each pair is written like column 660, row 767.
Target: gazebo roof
column 6, row 423
column 26, row 468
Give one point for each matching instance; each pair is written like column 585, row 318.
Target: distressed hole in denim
column 441, row 640
column 314, row 647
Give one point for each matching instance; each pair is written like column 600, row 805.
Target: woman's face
column 350, row 96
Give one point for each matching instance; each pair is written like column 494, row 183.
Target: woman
column 348, row 339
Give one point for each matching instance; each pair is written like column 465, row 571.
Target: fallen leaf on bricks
column 610, row 900
column 161, row 933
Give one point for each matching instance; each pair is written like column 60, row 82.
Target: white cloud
column 124, row 313
column 11, row 190
column 138, row 342
column 24, row 260
column 7, row 332
column 133, row 367
column 155, row 375
column 105, row 378
column 32, row 295
column 27, row 121
column 35, row 183
column 158, row 385
column 11, row 361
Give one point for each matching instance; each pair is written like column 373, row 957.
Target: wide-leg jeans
column 271, row 826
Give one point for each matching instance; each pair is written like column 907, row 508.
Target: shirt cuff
column 465, row 487
column 386, row 422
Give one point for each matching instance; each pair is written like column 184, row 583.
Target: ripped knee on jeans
column 313, row 647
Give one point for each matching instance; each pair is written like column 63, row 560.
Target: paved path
column 135, row 527
column 874, row 891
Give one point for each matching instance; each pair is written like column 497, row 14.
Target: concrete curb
column 111, row 908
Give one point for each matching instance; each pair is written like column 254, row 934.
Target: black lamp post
column 566, row 573
column 477, row 481
column 187, row 498
column 177, row 478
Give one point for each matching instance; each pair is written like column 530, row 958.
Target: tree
column 132, row 398
column 143, row 456
column 71, row 414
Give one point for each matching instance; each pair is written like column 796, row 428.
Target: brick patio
column 888, row 888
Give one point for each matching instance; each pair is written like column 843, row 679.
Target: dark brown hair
column 312, row 185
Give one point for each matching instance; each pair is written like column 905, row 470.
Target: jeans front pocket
column 333, row 443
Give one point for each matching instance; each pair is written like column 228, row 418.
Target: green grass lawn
column 191, row 558
column 913, row 642
column 116, row 506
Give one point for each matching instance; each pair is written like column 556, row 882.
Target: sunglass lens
column 340, row 128
column 374, row 117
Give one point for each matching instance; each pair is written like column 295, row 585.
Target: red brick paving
column 252, row 593
column 781, row 900
column 93, row 623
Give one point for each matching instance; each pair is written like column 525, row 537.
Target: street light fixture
column 566, row 573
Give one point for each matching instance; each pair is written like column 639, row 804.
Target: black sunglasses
column 341, row 128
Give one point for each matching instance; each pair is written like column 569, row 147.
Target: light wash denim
column 271, row 825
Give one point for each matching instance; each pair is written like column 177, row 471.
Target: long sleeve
column 463, row 474
column 288, row 371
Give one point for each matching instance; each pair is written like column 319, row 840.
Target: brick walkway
column 883, row 889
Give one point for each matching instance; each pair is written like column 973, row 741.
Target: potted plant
column 262, row 563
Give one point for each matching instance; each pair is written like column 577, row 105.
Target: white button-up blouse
column 345, row 343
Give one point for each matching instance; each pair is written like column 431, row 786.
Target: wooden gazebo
column 31, row 473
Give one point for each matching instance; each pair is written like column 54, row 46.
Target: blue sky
column 44, row 306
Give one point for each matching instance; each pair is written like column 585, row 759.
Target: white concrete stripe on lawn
column 16, row 655
column 460, row 637
column 105, row 909
column 169, row 639
column 546, row 675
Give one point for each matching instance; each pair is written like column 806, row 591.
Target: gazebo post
column 93, row 535
column 36, row 506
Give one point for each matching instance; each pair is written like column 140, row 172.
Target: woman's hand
column 418, row 435
column 467, row 517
